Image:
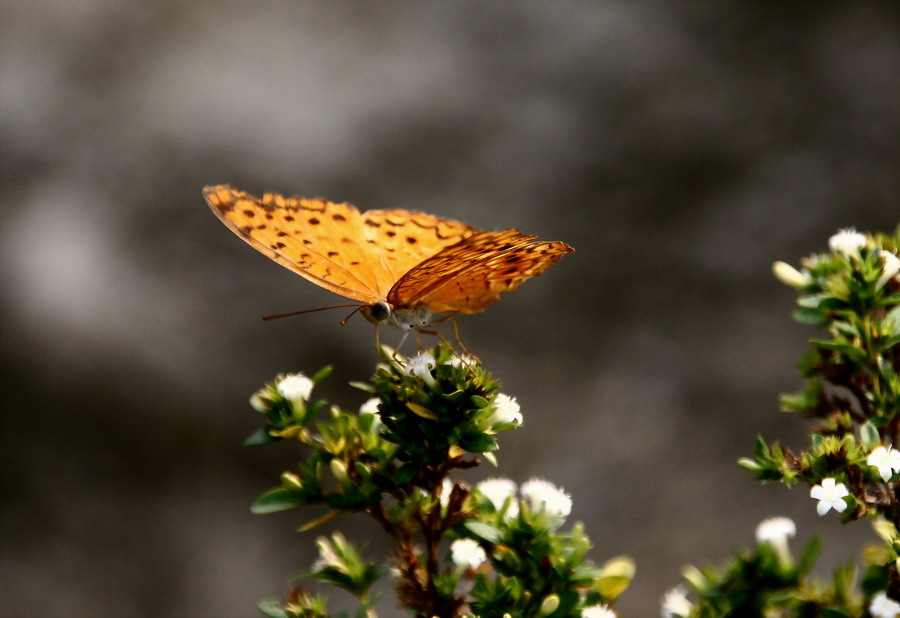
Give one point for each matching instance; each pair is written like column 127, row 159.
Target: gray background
column 679, row 147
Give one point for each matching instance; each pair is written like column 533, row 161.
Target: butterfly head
column 404, row 319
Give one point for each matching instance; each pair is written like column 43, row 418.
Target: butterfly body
column 402, row 266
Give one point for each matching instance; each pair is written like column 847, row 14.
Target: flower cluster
column 768, row 581
column 852, row 380
column 852, row 395
column 525, row 566
column 495, row 549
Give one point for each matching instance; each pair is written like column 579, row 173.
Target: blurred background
column 681, row 148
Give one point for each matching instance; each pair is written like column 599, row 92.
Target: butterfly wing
column 470, row 275
column 406, row 238
column 317, row 239
column 356, row 255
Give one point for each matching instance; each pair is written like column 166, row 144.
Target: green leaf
column 259, row 437
column 868, row 435
column 318, row 521
column 405, row 474
column 363, row 386
column 852, row 352
column 760, row 448
column 483, row 531
column 322, row 373
column 617, row 575
column 274, row 500
column 479, row 402
column 751, row 465
column 271, row 608
column 422, row 411
column 875, row 579
column 810, row 555
column 814, row 317
column 478, row 443
column 810, row 301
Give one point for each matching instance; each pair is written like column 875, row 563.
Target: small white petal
column 370, row 406
column 421, row 366
column 497, row 490
column 675, row 603
column 830, row 496
column 467, row 553
column 847, row 241
column 597, row 611
column 446, row 490
column 506, row 410
column 889, row 270
column 545, row 496
column 775, row 530
column 461, row 360
column 327, row 556
column 295, row 386
column 886, row 460
column 883, row 607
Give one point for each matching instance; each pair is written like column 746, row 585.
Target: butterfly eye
column 379, row 311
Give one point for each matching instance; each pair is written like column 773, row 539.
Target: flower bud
column 291, row 481
column 549, row 604
column 339, row 470
column 889, row 269
column 789, row 275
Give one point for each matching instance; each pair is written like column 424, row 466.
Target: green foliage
column 852, row 390
column 852, row 396
column 429, row 416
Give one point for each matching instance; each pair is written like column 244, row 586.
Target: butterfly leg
column 419, row 341
column 459, row 341
column 380, row 349
column 443, row 339
column 399, row 345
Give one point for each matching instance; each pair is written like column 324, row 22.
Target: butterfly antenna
column 344, row 321
column 287, row 315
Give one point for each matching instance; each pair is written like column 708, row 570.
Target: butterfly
column 402, row 266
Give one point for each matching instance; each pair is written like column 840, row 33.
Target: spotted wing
column 320, row 240
column 470, row 275
column 407, row 238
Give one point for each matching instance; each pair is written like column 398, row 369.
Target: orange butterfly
column 403, row 266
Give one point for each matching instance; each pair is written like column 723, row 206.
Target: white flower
column 887, row 460
column 891, row 267
column 461, row 360
column 775, row 530
column 883, row 607
column 830, row 496
column 545, row 496
column 370, row 406
column 420, row 366
column 789, row 275
column 446, row 490
column 328, row 557
column 675, row 603
column 295, row 387
column 467, row 553
column 597, row 611
column 847, row 241
column 506, row 410
column 497, row 490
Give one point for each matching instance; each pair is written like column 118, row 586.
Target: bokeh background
column 681, row 148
